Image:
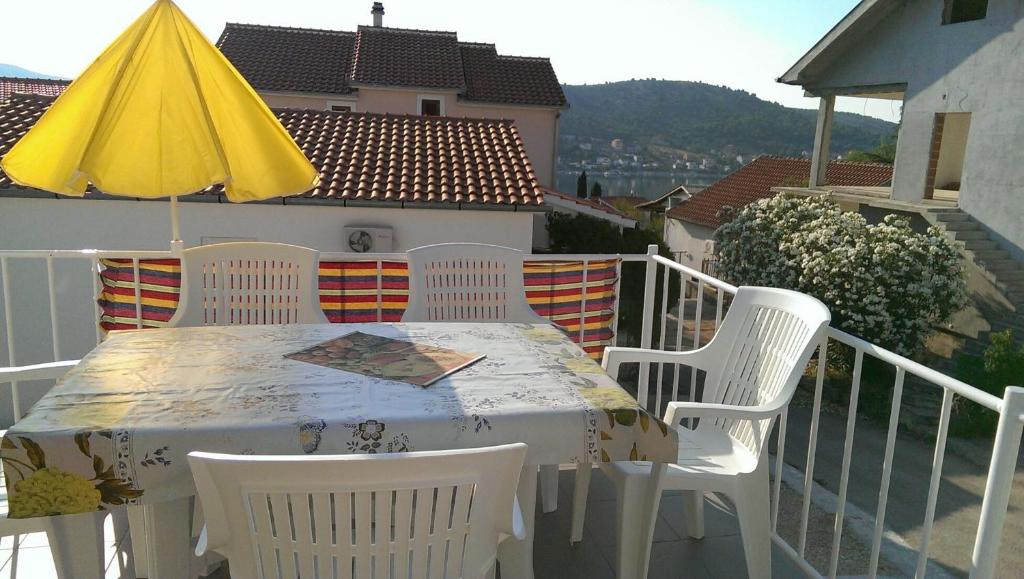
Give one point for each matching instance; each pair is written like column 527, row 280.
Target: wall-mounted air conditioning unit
column 369, row 238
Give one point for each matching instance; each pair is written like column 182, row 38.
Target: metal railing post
column 998, row 485
column 647, row 325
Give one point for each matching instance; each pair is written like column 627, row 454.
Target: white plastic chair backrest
column 413, row 515
column 762, row 349
column 471, row 282
column 248, row 283
column 15, row 374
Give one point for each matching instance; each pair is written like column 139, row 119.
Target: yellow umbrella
column 160, row 113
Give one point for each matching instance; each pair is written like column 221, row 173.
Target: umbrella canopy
column 160, row 113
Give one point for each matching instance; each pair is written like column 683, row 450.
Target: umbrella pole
column 176, row 244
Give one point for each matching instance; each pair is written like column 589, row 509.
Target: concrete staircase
column 997, row 266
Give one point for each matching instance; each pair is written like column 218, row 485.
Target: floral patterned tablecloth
column 116, row 430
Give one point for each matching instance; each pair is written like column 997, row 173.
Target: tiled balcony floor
column 719, row 554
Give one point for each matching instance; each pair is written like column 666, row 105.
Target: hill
column 702, row 118
column 11, row 70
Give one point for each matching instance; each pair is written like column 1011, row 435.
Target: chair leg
column 752, row 510
column 140, row 545
column 123, row 542
column 579, row 500
column 549, row 487
column 693, row 513
column 76, row 542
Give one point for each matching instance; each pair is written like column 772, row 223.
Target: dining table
column 119, row 426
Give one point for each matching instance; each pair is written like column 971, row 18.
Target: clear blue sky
column 743, row 44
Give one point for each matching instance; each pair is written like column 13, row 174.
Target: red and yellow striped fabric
column 349, row 293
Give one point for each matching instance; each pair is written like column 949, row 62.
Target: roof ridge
column 517, row 57
column 288, row 28
column 34, row 79
column 412, row 30
column 425, row 118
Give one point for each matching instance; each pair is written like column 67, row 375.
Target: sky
column 743, row 44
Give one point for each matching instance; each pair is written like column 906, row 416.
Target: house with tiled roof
column 690, row 225
column 377, row 69
column 410, row 179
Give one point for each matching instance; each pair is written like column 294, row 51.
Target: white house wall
column 974, row 67
column 687, row 241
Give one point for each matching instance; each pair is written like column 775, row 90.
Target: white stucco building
column 957, row 69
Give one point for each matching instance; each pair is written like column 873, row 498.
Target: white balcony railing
column 701, row 304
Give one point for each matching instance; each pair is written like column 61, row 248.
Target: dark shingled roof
column 324, row 61
column 290, row 59
column 367, row 157
column 40, row 86
column 755, row 180
column 415, row 58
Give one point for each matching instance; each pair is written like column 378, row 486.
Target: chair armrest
column 49, row 370
column 678, row 410
column 615, row 356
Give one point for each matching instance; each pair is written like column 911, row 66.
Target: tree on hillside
column 885, row 152
column 581, row 185
column 595, row 191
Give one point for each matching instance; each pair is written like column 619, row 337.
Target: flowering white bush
column 882, row 282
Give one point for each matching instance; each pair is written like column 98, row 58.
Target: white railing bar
column 933, row 486
column 844, row 479
column 718, row 308
column 94, row 265
column 664, row 330
column 52, row 291
column 679, row 333
column 998, row 485
column 812, row 444
column 712, row 281
column 780, row 449
column 798, row 559
column 84, row 254
column 697, row 320
column 939, row 379
column 138, row 292
column 883, row 491
column 647, row 323
column 615, row 302
column 9, row 324
column 583, row 303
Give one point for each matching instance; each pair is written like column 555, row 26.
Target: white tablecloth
column 123, row 421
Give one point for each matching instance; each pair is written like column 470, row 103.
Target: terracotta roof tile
column 755, row 180
column 378, row 158
column 600, row 204
column 400, row 57
column 290, row 59
column 325, row 61
column 39, row 86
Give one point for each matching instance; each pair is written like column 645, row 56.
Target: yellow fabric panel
column 161, row 112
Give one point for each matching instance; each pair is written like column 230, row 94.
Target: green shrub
column 1000, row 366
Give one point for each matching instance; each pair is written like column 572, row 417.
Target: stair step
column 997, row 266
column 952, row 216
column 965, row 235
column 966, row 225
column 980, row 244
column 989, row 255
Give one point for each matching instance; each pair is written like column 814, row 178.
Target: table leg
column 76, row 542
column 516, row 557
column 169, row 539
column 654, row 488
column 549, row 487
column 140, row 543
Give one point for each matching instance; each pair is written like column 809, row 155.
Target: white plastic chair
column 467, row 282
column 474, row 282
column 249, row 283
column 752, row 365
column 410, row 515
column 76, row 541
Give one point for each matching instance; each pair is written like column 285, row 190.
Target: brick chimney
column 378, row 14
